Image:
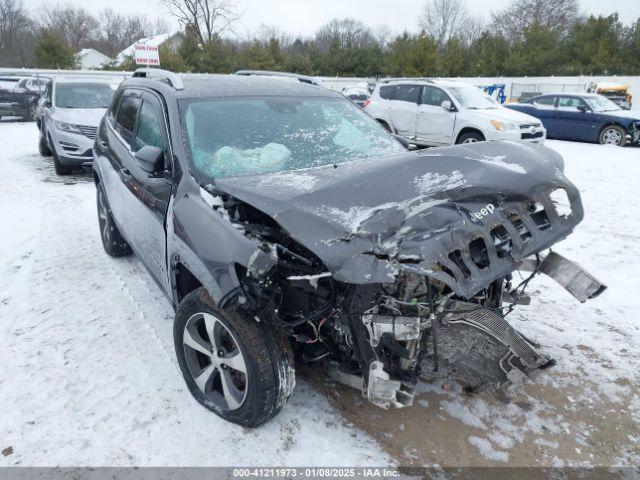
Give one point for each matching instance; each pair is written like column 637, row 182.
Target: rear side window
column 408, row 93
column 546, row 101
column 126, row 116
column 149, row 130
column 388, row 92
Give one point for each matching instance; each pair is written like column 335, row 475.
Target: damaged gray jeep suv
column 283, row 222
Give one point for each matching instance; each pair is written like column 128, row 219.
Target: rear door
column 434, row 124
column 544, row 108
column 575, row 120
column 404, row 109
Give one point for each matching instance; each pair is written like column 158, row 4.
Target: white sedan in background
column 433, row 112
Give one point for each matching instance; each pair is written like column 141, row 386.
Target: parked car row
column 237, row 194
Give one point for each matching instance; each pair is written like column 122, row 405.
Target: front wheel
column 470, row 137
column 233, row 365
column 613, row 135
column 43, row 148
column 57, row 165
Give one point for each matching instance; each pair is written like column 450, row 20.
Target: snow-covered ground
column 88, row 374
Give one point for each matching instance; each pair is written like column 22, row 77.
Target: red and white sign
column 146, row 55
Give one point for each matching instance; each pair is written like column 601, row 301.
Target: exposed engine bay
column 383, row 270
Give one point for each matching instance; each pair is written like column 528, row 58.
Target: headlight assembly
column 503, row 126
column 68, row 127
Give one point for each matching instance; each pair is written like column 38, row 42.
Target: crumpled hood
column 368, row 220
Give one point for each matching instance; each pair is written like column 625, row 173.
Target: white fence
column 513, row 84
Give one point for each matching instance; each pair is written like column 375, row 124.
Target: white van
column 433, row 112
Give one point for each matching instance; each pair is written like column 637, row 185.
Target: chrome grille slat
column 88, row 131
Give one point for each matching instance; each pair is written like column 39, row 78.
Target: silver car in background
column 71, row 111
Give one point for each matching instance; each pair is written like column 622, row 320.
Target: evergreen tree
column 51, row 52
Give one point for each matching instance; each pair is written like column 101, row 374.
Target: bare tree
column 344, row 33
column 74, row 26
column 267, row 33
column 556, row 15
column 443, row 19
column 16, row 34
column 206, row 19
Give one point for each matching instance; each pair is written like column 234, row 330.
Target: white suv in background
column 432, row 112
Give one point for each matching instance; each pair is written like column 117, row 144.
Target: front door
column 435, row 125
column 152, row 191
column 574, row 119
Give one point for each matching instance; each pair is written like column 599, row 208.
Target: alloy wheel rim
column 215, row 361
column 470, row 140
column 612, row 137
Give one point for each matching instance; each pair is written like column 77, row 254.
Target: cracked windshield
column 255, row 136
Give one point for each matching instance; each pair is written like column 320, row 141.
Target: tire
column 43, row 148
column 57, row 166
column 251, row 398
column 112, row 241
column 470, row 137
column 613, row 135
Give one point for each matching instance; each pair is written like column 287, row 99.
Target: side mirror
column 150, row 159
column 47, row 103
column 446, row 105
column 582, row 108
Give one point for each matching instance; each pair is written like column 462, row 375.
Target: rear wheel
column 233, row 365
column 613, row 135
column 470, row 137
column 112, row 240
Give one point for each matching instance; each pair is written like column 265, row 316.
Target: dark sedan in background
column 21, row 100
column 583, row 117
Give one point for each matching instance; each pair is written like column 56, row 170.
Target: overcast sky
column 304, row 17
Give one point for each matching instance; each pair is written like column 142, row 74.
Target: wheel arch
column 470, row 130
column 611, row 123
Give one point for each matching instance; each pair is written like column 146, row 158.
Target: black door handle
column 125, row 171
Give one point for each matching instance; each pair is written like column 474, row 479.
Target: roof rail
column 172, row 78
column 406, row 79
column 269, row 73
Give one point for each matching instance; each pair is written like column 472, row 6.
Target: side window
column 570, row 103
column 126, row 116
column 547, row 102
column 388, row 92
column 408, row 93
column 149, row 129
column 433, row 96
